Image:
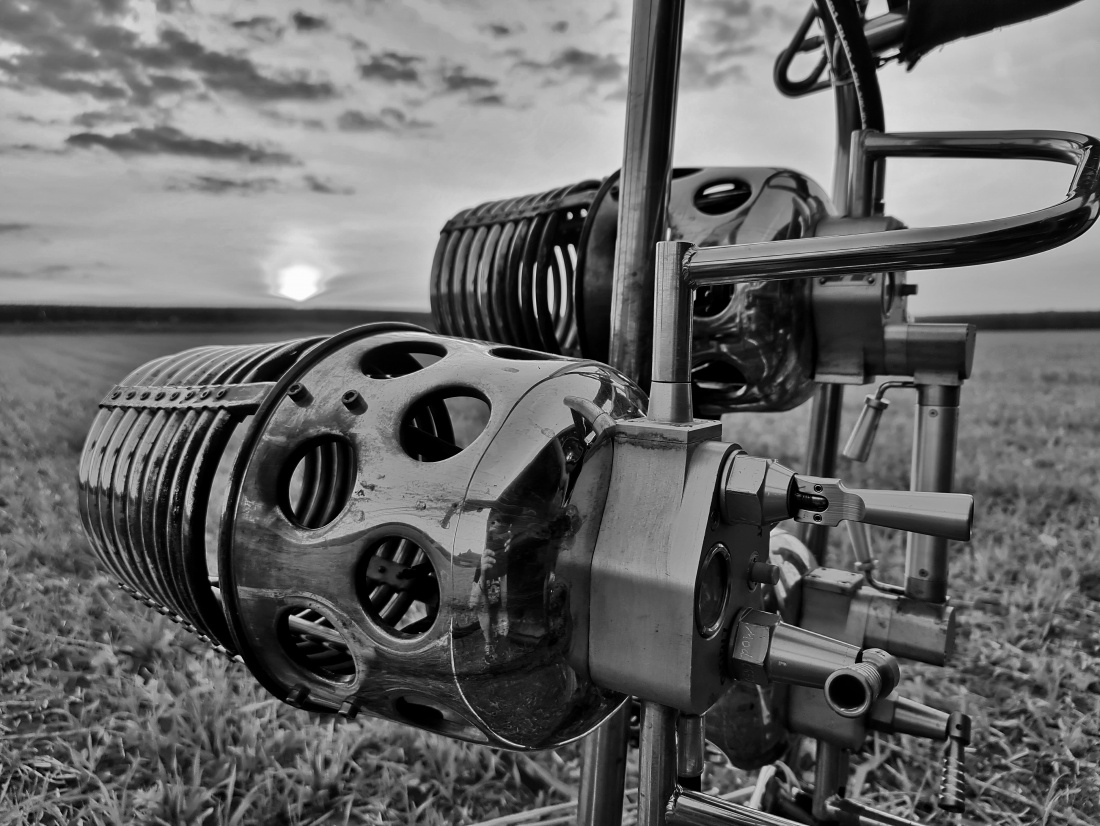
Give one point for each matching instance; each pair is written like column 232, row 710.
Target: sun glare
column 298, row 282
column 299, row 264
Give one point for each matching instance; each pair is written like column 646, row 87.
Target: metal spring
column 146, row 475
column 504, row 271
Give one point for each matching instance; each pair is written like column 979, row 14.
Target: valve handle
column 829, row 502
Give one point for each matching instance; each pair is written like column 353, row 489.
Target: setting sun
column 298, row 282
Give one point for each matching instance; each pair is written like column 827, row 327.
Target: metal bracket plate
column 245, row 398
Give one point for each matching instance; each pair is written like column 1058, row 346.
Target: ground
column 109, row 713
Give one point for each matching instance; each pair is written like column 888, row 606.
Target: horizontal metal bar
column 240, row 397
column 928, row 248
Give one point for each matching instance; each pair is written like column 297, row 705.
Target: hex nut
column 749, row 646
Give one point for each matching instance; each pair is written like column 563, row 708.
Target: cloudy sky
column 197, row 151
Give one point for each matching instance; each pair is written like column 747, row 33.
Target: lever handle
column 858, row 447
column 830, row 501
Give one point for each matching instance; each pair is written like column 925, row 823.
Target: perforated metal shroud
column 385, row 521
column 536, row 271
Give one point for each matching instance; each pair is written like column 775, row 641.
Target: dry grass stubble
column 111, row 714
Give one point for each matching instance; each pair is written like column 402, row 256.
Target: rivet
column 822, row 280
column 297, row 696
column 175, row 395
column 131, row 394
column 116, row 394
column 870, row 279
column 159, row 395
column 204, row 394
column 220, row 394
column 144, row 395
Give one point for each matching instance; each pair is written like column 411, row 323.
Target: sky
column 307, row 152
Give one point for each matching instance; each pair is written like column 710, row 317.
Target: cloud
column 489, row 100
column 313, row 124
column 307, row 22
column 167, row 140
column 387, row 120
column 217, row 185
column 560, row 26
column 323, row 186
column 455, row 79
column 573, row 63
column 391, row 67
column 500, row 30
column 261, row 27
column 76, row 48
column 718, row 34
column 13, row 227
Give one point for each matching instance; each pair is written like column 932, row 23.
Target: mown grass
column 111, row 714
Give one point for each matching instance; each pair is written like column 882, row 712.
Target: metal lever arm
column 830, row 502
column 759, row 491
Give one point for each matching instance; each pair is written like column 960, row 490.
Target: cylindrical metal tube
column 603, row 772
column 690, row 750
column 670, row 392
column 821, row 455
column 687, row 808
column 656, row 36
column 934, row 442
column 656, row 762
column 858, row 447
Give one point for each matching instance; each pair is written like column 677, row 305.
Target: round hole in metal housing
column 311, row 640
column 400, row 358
column 398, row 587
column 316, row 481
column 443, row 423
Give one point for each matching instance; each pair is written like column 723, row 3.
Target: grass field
column 111, row 714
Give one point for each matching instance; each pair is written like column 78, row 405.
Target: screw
column 933, row 413
column 817, row 517
column 298, row 393
column 175, row 395
column 297, row 695
column 353, row 401
column 923, row 572
column 818, row 488
column 349, row 708
column 822, row 280
column 189, row 394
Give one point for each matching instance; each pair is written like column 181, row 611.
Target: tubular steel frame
column 862, row 145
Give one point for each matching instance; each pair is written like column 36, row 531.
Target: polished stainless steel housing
column 537, row 272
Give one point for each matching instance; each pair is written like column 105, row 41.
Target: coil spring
column 154, row 473
column 146, row 476
column 505, row 270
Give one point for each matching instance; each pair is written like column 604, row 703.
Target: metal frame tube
column 656, row 35
column 656, row 763
column 935, row 439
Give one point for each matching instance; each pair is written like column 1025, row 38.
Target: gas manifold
column 495, row 544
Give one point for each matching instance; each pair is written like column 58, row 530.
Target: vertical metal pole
column 934, row 443
column 821, row 455
column 656, row 34
column 643, row 188
column 656, row 763
column 603, row 771
column 691, row 749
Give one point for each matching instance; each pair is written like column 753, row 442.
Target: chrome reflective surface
column 455, row 574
